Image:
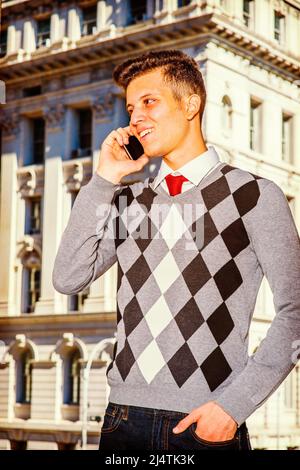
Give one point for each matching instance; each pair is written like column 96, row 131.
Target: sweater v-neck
column 206, row 180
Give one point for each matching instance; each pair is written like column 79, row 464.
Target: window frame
column 43, row 38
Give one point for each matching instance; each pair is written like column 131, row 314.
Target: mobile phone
column 134, row 148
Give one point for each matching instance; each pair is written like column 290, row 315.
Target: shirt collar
column 194, row 170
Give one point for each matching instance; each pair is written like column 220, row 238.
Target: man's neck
column 179, row 158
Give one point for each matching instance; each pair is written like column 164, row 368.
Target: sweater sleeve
column 275, row 241
column 87, row 247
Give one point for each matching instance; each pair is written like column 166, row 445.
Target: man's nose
column 137, row 116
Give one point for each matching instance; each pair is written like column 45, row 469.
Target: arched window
column 24, row 377
column 31, row 282
column 226, row 121
column 71, row 383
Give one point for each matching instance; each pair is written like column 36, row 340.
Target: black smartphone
column 134, row 149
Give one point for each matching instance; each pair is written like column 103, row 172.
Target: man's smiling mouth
column 145, row 132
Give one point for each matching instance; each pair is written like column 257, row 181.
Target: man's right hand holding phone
column 114, row 163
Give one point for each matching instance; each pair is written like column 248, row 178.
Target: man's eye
column 149, row 99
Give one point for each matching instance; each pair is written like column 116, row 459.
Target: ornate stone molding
column 77, row 172
column 103, row 106
column 31, row 180
column 30, row 250
column 10, row 124
column 68, row 342
column 55, row 116
column 280, row 6
column 19, row 344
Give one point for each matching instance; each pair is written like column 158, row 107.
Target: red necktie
column 175, row 183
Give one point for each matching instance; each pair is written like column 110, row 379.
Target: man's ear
column 192, row 106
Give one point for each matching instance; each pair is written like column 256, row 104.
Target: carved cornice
column 280, row 6
column 10, row 124
column 187, row 31
column 31, row 180
column 20, row 343
column 12, row 10
column 103, row 106
column 77, row 172
column 55, row 116
column 30, row 250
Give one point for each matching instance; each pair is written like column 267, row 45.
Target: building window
column 72, row 378
column 38, row 137
column 183, row 3
column 138, row 11
column 33, row 216
column 279, row 27
column 89, row 21
column 255, row 125
column 286, row 138
column 3, row 43
column 24, row 378
column 248, row 13
column 76, row 301
column 43, row 33
column 84, row 117
column 32, row 91
column 32, row 288
column 226, row 114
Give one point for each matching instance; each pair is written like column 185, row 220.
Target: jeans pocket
column 230, row 444
column 112, row 418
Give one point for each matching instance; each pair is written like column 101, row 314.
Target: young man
column 187, row 291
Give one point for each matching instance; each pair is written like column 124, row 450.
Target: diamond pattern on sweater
column 215, row 361
column 132, row 316
column 187, row 362
column 220, row 323
column 125, row 360
column 228, row 279
column 235, row 237
column 246, row 197
column 172, row 301
column 151, row 361
column 216, row 192
column 190, row 323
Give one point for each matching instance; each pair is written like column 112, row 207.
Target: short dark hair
column 179, row 69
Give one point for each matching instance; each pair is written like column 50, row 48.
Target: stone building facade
column 56, row 61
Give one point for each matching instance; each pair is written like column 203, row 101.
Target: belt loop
column 125, row 412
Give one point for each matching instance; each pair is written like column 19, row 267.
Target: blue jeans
column 136, row 428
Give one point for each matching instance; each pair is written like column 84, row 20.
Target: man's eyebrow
column 144, row 96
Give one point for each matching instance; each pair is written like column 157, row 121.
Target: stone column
column 45, row 401
column 73, row 24
column 50, row 300
column 236, row 10
column 11, row 39
column 296, row 137
column 29, row 37
column 7, row 371
column 101, row 14
column 271, row 134
column 11, row 143
column 55, row 27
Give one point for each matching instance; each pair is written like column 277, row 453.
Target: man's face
column 151, row 105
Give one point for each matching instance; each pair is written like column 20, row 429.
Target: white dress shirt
column 194, row 170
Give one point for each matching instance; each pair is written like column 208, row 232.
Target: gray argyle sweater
column 189, row 270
